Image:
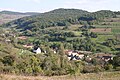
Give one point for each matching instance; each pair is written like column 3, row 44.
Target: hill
column 69, row 25
column 60, row 17
column 18, row 13
column 94, row 36
column 67, row 11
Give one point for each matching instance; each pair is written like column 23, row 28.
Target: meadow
column 88, row 76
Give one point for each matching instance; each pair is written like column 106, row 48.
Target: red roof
column 22, row 37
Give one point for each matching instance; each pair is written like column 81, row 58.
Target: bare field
column 88, row 76
column 4, row 18
column 101, row 30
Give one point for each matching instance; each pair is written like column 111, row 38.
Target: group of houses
column 71, row 54
column 74, row 55
column 80, row 55
column 104, row 56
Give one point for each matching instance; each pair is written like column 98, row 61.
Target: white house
column 37, row 51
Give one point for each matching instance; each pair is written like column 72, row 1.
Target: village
column 61, row 42
column 71, row 54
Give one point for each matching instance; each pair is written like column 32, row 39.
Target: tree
column 93, row 35
column 116, row 61
column 35, row 65
column 8, row 60
column 109, row 67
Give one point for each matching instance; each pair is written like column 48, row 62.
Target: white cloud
column 36, row 1
column 85, row 1
column 90, row 5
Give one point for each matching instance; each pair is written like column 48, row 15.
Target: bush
column 91, row 69
column 88, row 69
column 109, row 67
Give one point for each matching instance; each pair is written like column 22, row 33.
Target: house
column 7, row 40
column 37, row 50
column 13, row 35
column 107, row 58
column 54, row 51
column 74, row 55
column 68, row 52
column 22, row 37
column 2, row 35
column 104, row 56
column 85, row 52
column 81, row 55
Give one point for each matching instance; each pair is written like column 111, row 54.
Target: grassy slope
column 4, row 18
column 89, row 76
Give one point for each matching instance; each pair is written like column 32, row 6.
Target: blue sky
column 47, row 5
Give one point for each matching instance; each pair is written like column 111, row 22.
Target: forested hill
column 67, row 11
column 104, row 14
column 59, row 17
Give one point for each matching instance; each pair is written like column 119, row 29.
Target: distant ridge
column 18, row 13
column 60, row 17
column 7, row 16
column 62, row 10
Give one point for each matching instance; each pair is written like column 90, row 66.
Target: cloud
column 35, row 1
column 90, row 5
column 85, row 1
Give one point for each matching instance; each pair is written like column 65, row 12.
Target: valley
column 61, row 42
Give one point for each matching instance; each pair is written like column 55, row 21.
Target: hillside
column 63, row 11
column 7, row 16
column 60, row 17
column 18, row 13
column 72, row 26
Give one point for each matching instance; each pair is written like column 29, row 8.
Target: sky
column 48, row 5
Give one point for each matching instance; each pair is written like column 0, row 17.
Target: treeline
column 60, row 17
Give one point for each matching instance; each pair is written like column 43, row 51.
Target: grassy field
column 102, row 38
column 4, row 18
column 103, row 26
column 88, row 76
column 116, row 30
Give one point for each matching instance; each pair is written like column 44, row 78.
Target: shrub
column 109, row 67
column 91, row 69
